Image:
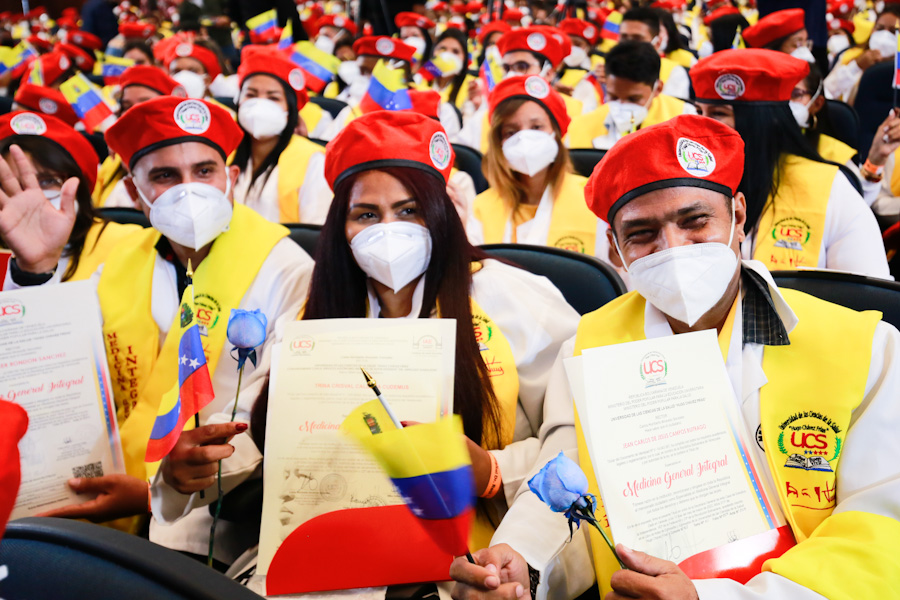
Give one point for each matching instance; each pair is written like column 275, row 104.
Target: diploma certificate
column 668, row 445
column 53, row 363
column 310, row 468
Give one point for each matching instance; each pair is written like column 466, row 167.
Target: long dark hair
column 50, row 156
column 676, row 41
column 338, row 290
column 723, row 30
column 769, row 130
column 460, row 77
column 242, row 154
column 821, row 121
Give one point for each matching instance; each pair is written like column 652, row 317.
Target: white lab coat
column 262, row 196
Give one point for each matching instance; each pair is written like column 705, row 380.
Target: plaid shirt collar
column 761, row 322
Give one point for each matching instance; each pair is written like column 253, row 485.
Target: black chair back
column 585, row 159
column 305, row 235
column 6, row 103
column 126, row 216
column 330, row 105
column 586, row 282
column 874, row 101
column 843, row 123
column 98, row 142
column 226, row 101
column 468, row 160
column 853, row 291
column 71, row 560
column 318, row 141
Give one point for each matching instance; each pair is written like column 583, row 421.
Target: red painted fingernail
column 241, row 427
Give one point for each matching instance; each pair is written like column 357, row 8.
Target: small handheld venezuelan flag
column 86, row 100
column 287, row 37
column 896, row 71
column 194, row 388
column 264, row 23
column 111, row 68
column 36, row 76
column 387, row 90
column 319, row 66
column 492, row 68
column 610, row 29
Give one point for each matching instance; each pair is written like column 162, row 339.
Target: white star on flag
column 183, row 360
column 194, row 363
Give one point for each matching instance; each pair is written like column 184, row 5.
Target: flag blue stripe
column 311, row 67
column 85, row 103
column 164, row 424
column 441, row 495
column 264, row 27
column 387, row 99
column 190, row 346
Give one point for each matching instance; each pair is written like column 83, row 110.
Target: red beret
column 137, row 30
column 532, row 88
column 338, row 22
column 381, row 45
column 188, row 50
column 38, row 98
column 257, row 60
column 411, row 19
column 474, row 7
column 53, row 66
column 723, row 11
column 537, row 39
column 459, row 9
column 40, row 43
column 774, row 26
column 426, row 102
column 162, row 48
column 581, row 28
column 840, row 8
column 269, row 36
column 175, row 121
column 687, row 151
column 13, row 425
column 70, row 12
column 513, row 14
column 6, row 15
column 84, row 61
column 73, row 143
column 492, row 27
column 835, row 24
column 85, row 40
column 439, row 7
column 153, row 78
column 415, row 141
column 750, row 75
column 66, row 22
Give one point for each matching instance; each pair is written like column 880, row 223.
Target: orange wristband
column 149, row 499
column 494, row 480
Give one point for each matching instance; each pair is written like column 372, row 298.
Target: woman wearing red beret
column 58, row 156
column 362, row 272
column 802, row 210
column 533, row 198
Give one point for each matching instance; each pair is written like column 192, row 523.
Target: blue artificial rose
column 560, row 484
column 247, row 328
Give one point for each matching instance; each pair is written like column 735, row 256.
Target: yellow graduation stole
column 792, row 224
column 895, row 174
column 98, row 244
column 574, row 107
column 140, row 370
column 681, row 57
column 666, row 66
column 292, row 165
column 835, row 150
column 311, row 113
column 572, row 225
column 824, row 368
column 109, row 174
column 585, row 128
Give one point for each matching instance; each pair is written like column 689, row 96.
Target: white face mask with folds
column 576, row 57
column 801, row 110
column 191, row 214
column 448, row 64
column 885, row 42
column 419, row 44
column 194, row 84
column 837, row 44
column 685, row 282
column 392, row 254
column 262, row 117
column 325, row 44
column 530, row 151
column 624, row 117
column 804, row 53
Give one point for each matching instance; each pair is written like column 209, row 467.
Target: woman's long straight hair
column 460, row 78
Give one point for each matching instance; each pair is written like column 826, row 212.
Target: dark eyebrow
column 681, row 212
column 199, row 165
column 397, row 204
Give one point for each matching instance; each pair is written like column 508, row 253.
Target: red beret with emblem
column 188, row 50
column 837, row 24
column 411, row 19
column 54, row 65
column 175, row 121
column 687, row 151
column 747, row 75
column 512, row 15
column 40, row 43
column 85, row 40
column 383, row 46
column 84, row 61
column 720, row 12
column 256, row 60
column 137, row 30
column 66, row 23
column 840, row 8
column 493, row 27
column 774, row 26
column 46, row 100
column 338, row 22
column 538, row 39
column 581, row 28
column 72, row 142
column 415, row 141
column 153, row 78
column 532, row 88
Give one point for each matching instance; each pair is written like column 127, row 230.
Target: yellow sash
column 572, row 226
column 574, row 107
column 851, row 54
column 585, row 128
column 311, row 113
column 97, row 246
column 292, row 166
column 141, row 372
column 792, row 225
column 895, row 174
column 824, row 368
column 835, row 150
column 666, row 66
column 461, row 97
column 682, row 57
column 110, row 173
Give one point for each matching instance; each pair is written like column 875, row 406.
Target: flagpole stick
column 373, row 385
column 190, row 277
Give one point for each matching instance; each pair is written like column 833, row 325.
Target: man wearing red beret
column 670, row 195
column 178, row 176
column 575, row 78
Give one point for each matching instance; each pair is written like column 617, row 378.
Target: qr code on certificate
column 88, row 470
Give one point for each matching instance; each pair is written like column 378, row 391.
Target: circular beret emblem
column 192, row 116
column 296, row 79
column 695, row 158
column 439, row 150
column 384, row 46
column 184, row 49
column 589, row 31
column 536, row 42
column 729, row 86
column 339, row 21
column 47, row 106
column 536, row 87
column 28, row 124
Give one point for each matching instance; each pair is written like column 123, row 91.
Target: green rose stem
column 588, row 515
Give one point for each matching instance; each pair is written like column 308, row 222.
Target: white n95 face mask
column 194, row 84
column 392, row 253
column 625, row 117
column 262, row 117
column 530, row 151
column 801, row 111
column 576, row 57
column 885, row 42
column 325, row 44
column 804, row 53
column 417, row 43
column 837, row 44
column 191, row 214
column 684, row 282
column 448, row 64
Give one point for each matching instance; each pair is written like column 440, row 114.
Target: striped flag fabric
column 897, row 66
column 111, row 68
column 611, row 26
column 492, row 68
column 287, row 37
column 86, row 100
column 318, row 66
column 387, row 90
column 264, row 23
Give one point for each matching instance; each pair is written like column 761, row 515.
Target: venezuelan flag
column 738, row 41
column 433, row 68
column 897, row 65
column 318, row 66
column 194, row 390
column 111, row 68
column 492, row 68
column 86, row 99
column 430, row 467
column 36, row 77
column 263, row 23
column 610, row 29
column 387, row 90
column 287, row 37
